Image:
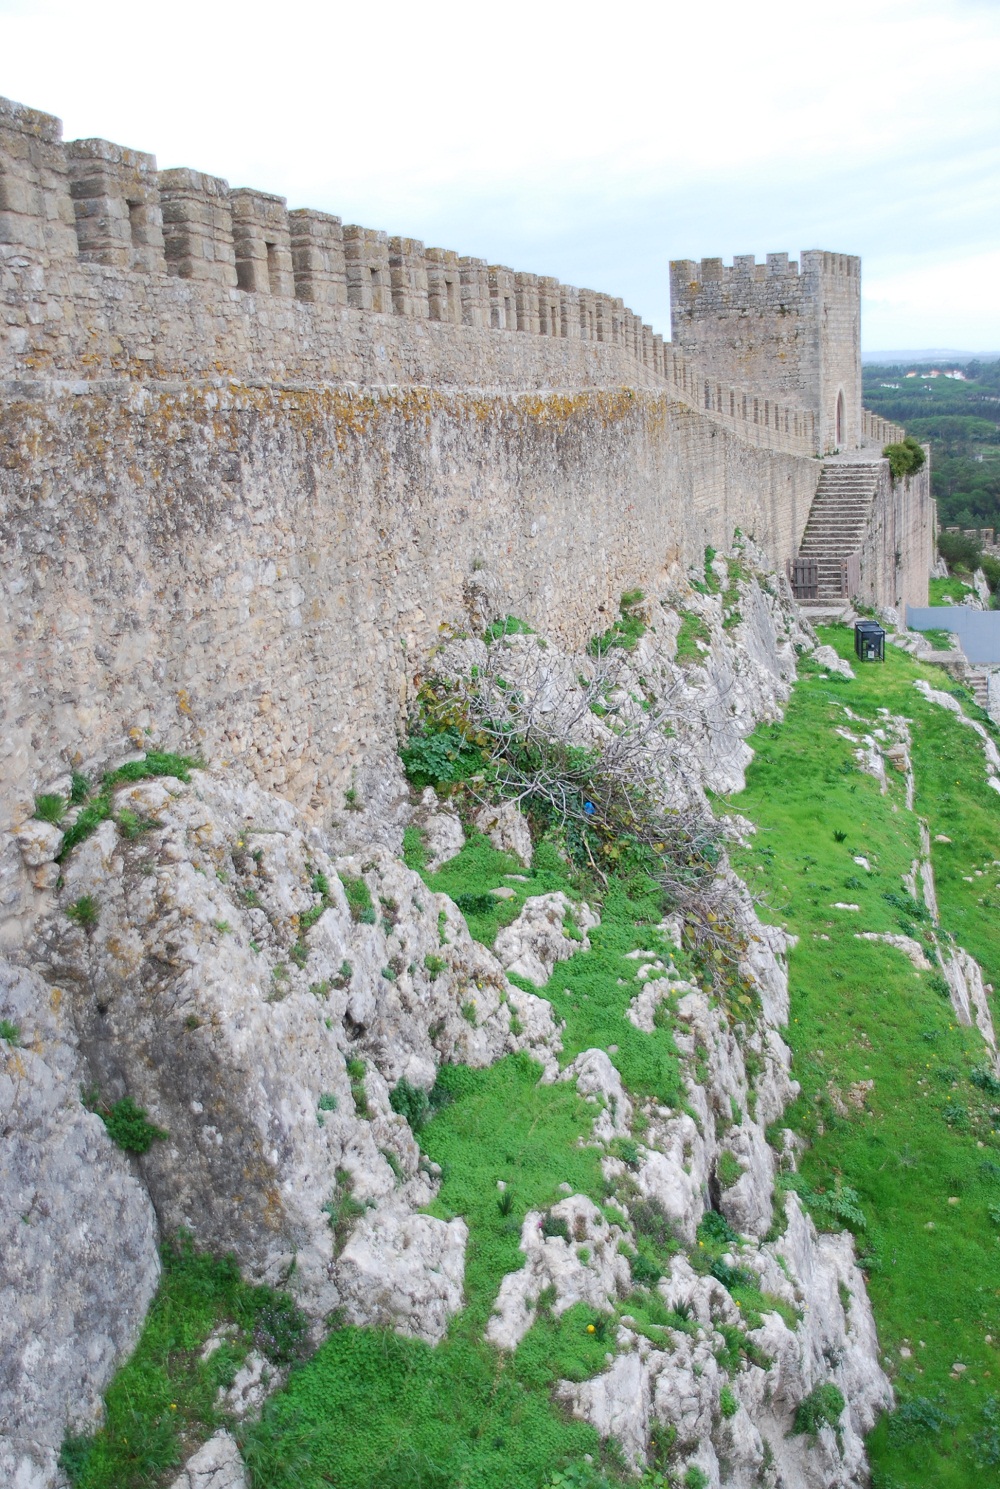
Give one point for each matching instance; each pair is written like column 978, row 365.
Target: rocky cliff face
column 260, row 992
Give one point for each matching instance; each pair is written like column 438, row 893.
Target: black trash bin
column 869, row 641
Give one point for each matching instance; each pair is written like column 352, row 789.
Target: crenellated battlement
column 686, row 273
column 95, row 202
column 790, row 329
column 111, row 265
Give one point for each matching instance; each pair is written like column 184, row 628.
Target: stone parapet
column 116, row 199
column 36, row 210
column 444, row 286
column 262, row 242
column 474, row 282
column 111, row 234
column 408, row 277
column 503, row 298
column 369, row 279
column 198, row 227
column 318, row 263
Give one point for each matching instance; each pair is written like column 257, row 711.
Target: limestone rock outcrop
column 229, row 988
column 78, row 1253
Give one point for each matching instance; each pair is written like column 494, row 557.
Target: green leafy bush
column 411, row 1102
column 555, row 1225
column 986, row 1443
column 9, row 1031
column 918, row 1417
column 476, row 904
column 128, row 1125
column 715, row 1230
column 437, row 759
column 906, row 458
column 821, row 1408
column 645, row 1271
column 960, row 550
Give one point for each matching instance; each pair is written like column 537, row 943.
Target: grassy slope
column 926, row 1136
column 381, row 1410
column 953, row 588
column 373, row 1409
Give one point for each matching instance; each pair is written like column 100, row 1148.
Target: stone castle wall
column 899, row 541
column 110, row 268
column 260, row 573
column 780, row 329
column 252, row 461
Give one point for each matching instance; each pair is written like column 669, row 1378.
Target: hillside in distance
column 960, row 419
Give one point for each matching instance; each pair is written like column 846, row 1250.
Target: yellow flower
column 173, row 1406
column 590, row 1329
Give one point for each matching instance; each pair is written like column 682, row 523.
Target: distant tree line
column 960, row 420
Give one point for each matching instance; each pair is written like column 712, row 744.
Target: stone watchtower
column 789, row 331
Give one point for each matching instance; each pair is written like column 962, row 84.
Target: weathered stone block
column 262, row 243
column 366, row 258
column 116, row 198
column 198, row 226
column 317, row 241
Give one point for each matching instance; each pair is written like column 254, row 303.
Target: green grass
column 96, row 807
column 470, row 875
column 162, row 1403
column 692, row 630
column 940, row 638
column 372, row 1409
column 861, row 1012
column 941, row 590
column 375, row 1409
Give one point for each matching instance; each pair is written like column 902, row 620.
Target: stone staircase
column 837, row 522
column 979, row 684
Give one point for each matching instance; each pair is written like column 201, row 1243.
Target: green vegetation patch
column 95, row 807
column 162, row 1404
column 905, row 458
column 626, row 631
column 952, row 588
column 692, row 630
column 910, row 1162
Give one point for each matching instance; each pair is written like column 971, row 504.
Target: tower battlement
column 789, row 329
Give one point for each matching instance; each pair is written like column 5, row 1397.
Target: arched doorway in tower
column 840, row 419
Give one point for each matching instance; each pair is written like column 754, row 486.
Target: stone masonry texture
column 252, row 462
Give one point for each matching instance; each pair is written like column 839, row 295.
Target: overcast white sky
column 592, row 142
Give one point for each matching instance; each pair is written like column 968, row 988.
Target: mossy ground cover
column 163, row 1402
column 920, row 1147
